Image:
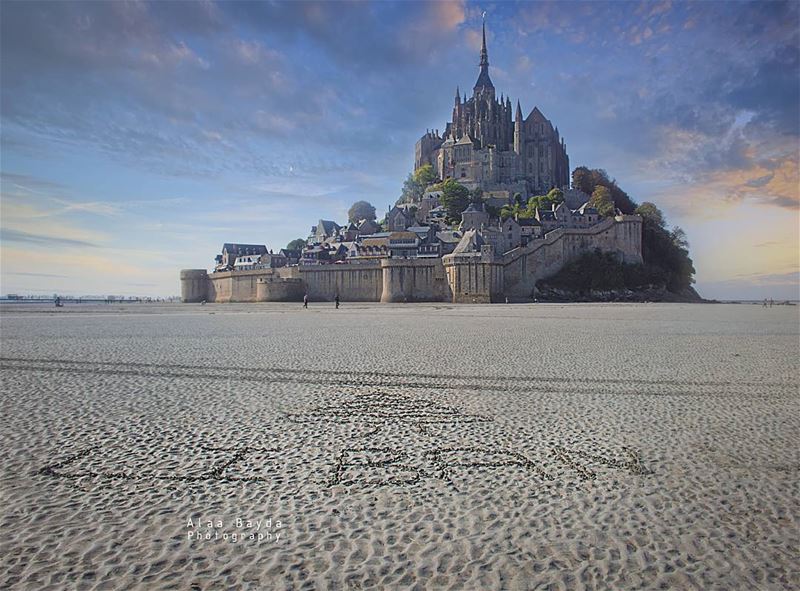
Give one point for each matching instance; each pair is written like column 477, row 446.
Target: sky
column 136, row 137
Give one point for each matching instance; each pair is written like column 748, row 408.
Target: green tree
column 455, row 199
column 361, row 210
column 587, row 181
column 650, row 212
column 515, row 210
column 425, row 176
column 415, row 184
column 477, row 195
column 296, row 244
column 665, row 249
column 556, row 195
column 602, row 202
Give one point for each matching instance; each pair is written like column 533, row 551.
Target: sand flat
column 434, row 446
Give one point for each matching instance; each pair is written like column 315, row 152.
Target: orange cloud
column 449, row 15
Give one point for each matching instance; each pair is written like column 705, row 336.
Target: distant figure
column 506, row 299
column 305, row 301
column 203, row 303
column 765, row 302
column 336, row 300
column 771, row 302
column 58, row 302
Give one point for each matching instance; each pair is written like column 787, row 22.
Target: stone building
column 488, row 144
column 323, row 230
column 232, row 251
column 398, row 219
column 474, row 217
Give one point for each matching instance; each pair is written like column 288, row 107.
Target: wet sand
column 263, row 446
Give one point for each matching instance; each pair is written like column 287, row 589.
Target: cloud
column 47, row 275
column 29, row 183
column 9, row 235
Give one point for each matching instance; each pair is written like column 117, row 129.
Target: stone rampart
column 460, row 278
column 524, row 266
column 414, row 280
column 474, row 280
column 277, row 289
column 353, row 283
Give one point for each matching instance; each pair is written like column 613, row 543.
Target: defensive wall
column 460, row 277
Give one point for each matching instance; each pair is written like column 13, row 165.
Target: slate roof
column 470, row 242
column 528, row 222
column 465, row 140
column 448, row 237
column 243, row 249
column 328, row 226
column 475, row 208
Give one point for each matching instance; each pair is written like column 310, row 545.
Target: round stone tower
column 194, row 285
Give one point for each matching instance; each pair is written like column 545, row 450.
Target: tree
column 515, row 210
column 582, row 180
column 477, row 195
column 415, row 184
column 587, row 181
column 602, row 202
column 556, row 195
column 650, row 212
column 665, row 249
column 296, row 244
column 679, row 238
column 361, row 210
column 425, row 176
column 455, row 199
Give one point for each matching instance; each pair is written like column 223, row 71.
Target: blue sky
column 138, row 137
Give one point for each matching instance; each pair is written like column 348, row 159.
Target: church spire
column 484, row 53
column 484, row 83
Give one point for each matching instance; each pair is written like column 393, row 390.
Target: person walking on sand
column 336, row 300
column 305, row 301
